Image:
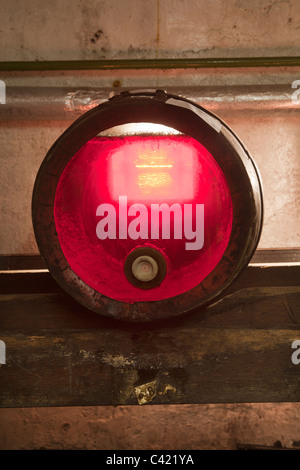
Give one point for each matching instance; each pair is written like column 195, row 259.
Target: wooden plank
column 238, row 350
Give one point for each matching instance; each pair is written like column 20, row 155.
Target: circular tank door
column 147, row 207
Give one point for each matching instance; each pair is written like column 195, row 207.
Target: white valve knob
column 144, row 268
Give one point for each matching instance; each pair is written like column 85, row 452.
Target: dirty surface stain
column 118, row 360
column 96, row 36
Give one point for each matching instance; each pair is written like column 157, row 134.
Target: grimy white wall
column 147, row 29
column 74, row 29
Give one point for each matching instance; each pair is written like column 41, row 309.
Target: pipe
column 54, row 103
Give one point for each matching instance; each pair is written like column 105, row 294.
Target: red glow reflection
column 153, row 168
column 147, row 170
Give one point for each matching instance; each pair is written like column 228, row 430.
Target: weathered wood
column 238, row 350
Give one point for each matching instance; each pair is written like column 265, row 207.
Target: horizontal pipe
column 14, row 66
column 55, row 103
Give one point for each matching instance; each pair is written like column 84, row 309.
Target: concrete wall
column 170, row 427
column 74, row 29
column 126, row 29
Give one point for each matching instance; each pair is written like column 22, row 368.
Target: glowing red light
column 152, row 169
column 146, row 170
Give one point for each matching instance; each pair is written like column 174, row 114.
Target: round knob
column 145, row 267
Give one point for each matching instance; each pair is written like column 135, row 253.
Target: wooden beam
column 236, row 351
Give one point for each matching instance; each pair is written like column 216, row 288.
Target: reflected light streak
column 154, row 166
column 139, row 128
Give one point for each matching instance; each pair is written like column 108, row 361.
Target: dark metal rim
column 235, row 162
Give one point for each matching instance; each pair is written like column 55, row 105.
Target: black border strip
column 22, row 66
